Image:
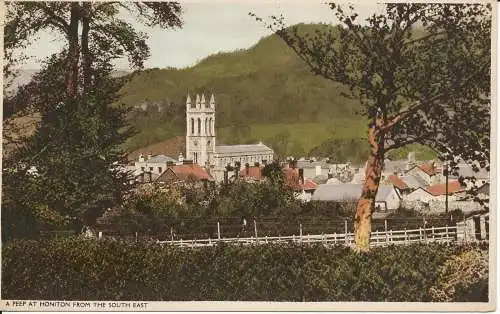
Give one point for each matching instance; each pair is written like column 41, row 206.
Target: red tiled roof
column 430, row 169
column 440, row 189
column 183, row 171
column 397, row 182
column 254, row 173
column 309, row 185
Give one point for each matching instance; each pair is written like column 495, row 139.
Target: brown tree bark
column 86, row 60
column 74, row 51
column 373, row 173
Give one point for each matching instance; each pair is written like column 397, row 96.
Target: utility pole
column 446, row 175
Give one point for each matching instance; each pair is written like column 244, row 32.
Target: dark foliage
column 97, row 270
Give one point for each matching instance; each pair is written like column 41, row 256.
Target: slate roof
column 313, row 164
column 467, row 171
column 414, row 182
column 238, row 149
column 161, row 159
column 394, row 166
column 347, row 192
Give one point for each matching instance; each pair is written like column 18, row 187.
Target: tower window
column 192, row 126
column 199, row 126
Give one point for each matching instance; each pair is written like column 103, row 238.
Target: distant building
column 387, row 197
column 201, row 145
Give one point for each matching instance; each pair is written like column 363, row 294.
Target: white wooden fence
column 378, row 238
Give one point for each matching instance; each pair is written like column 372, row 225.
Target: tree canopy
column 422, row 74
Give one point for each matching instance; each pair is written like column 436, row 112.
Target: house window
column 151, row 169
column 142, row 169
column 159, row 170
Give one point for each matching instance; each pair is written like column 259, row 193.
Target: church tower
column 200, row 130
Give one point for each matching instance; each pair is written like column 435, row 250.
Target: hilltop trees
column 103, row 36
column 422, row 74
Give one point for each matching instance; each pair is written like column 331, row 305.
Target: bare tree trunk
column 366, row 203
column 74, row 52
column 86, row 60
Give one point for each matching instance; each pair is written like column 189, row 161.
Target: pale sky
column 211, row 27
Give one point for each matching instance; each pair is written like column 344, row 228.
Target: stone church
column 201, row 145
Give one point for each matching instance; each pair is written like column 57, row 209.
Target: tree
column 69, row 169
column 422, row 74
column 103, row 32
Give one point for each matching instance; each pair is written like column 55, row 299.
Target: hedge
column 75, row 269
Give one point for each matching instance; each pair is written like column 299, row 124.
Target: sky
column 209, row 28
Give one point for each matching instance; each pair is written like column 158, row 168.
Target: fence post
column 386, row 234
column 171, row 235
column 266, row 239
column 446, row 232
column 433, row 236
column 209, row 241
column 406, row 237
column 345, row 232
column 218, row 230
column 334, row 238
column 323, row 238
column 181, row 242
column 420, row 234
column 465, row 231
column 255, row 228
column 136, row 236
column 300, row 232
column 100, row 234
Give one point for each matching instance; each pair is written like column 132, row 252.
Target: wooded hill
column 262, row 93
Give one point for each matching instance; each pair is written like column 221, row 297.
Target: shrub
column 73, row 269
column 463, row 277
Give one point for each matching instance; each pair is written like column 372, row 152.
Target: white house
column 387, row 197
column 154, row 165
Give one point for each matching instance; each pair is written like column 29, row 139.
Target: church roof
column 238, row 149
column 161, row 159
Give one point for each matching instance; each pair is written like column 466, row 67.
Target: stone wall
column 434, row 207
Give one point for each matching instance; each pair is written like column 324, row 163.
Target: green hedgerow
column 76, row 269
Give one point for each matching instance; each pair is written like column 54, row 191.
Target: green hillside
column 262, row 93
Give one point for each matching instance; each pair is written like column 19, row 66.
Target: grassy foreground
column 73, row 269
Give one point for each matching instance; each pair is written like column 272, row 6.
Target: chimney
column 301, row 175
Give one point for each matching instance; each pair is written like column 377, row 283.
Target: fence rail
column 378, row 238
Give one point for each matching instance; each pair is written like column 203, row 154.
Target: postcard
column 243, row 156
